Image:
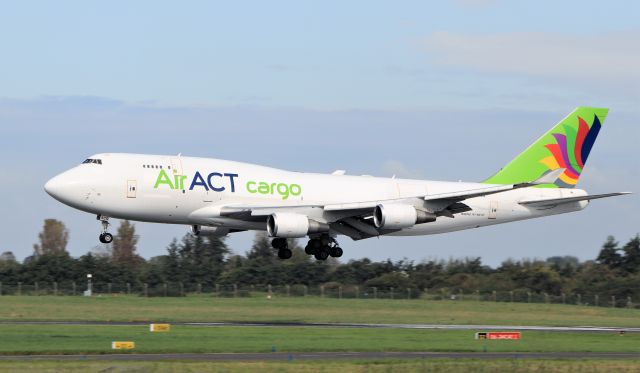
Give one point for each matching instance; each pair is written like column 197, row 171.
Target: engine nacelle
column 290, row 225
column 209, row 231
column 398, row 216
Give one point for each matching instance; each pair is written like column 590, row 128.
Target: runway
column 284, row 356
column 575, row 329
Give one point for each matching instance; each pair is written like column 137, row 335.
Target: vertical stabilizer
column 567, row 145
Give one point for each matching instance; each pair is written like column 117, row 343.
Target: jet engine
column 398, row 216
column 290, row 225
column 209, row 231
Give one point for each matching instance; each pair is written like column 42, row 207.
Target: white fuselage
column 190, row 191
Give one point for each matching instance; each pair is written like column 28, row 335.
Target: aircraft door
column 493, row 209
column 132, row 185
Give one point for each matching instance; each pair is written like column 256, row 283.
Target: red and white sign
column 498, row 335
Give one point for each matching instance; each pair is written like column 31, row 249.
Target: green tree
column 201, row 259
column 171, row 268
column 609, row 255
column 47, row 268
column 124, row 245
column 631, row 259
column 261, row 250
column 9, row 267
column 53, row 239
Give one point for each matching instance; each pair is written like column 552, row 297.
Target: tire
column 107, row 237
column 284, row 253
column 312, row 246
column 279, row 243
column 322, row 254
column 308, row 250
column 101, row 238
column 336, row 252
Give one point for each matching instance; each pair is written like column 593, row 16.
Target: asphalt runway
column 283, row 356
column 581, row 329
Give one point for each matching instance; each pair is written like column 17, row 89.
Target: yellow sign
column 159, row 327
column 123, row 345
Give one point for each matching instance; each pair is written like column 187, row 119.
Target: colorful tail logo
column 571, row 151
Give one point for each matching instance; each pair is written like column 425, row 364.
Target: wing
column 354, row 219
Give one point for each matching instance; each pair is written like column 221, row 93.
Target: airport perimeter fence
column 329, row 290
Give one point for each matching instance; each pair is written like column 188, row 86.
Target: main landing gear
column 283, row 248
column 105, row 237
column 321, row 247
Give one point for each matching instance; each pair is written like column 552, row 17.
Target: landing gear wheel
column 279, row 243
column 312, row 246
column 106, row 237
column 335, row 251
column 322, row 253
column 284, row 253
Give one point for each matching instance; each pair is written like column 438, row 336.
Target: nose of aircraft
column 68, row 187
column 54, row 186
column 57, row 187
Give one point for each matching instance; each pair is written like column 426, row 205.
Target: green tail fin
column 566, row 145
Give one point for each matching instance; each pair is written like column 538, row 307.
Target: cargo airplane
column 217, row 197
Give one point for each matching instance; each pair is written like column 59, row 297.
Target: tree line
column 208, row 261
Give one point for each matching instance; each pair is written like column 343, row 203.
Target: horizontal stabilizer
column 550, row 177
column 558, row 201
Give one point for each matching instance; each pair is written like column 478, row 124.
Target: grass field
column 436, row 366
column 309, row 309
column 80, row 339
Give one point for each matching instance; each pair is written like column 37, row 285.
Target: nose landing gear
column 105, row 237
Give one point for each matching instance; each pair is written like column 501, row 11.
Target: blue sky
column 439, row 90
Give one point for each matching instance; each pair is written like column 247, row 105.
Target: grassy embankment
column 309, row 309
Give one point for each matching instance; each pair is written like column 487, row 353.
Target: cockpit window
column 90, row 160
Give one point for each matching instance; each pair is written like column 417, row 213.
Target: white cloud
column 554, row 55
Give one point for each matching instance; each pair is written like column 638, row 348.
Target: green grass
column 77, row 339
column 309, row 309
column 465, row 365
